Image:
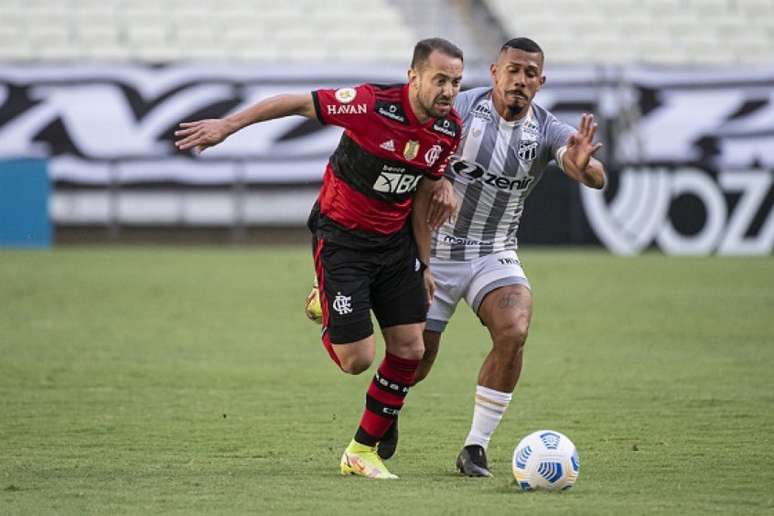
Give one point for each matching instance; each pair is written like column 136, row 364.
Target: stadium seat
column 657, row 31
column 572, row 31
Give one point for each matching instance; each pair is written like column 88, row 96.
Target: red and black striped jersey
column 370, row 179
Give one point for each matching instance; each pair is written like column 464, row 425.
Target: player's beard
column 435, row 110
column 516, row 104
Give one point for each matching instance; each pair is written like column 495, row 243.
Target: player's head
column 517, row 75
column 435, row 76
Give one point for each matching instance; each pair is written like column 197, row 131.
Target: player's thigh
column 451, row 280
column 500, row 294
column 344, row 277
column 398, row 296
column 507, row 312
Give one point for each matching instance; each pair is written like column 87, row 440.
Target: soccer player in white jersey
column 508, row 140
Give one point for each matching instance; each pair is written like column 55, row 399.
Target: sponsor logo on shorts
column 508, row 261
column 449, row 239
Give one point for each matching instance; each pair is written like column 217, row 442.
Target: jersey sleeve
column 344, row 107
column 557, row 135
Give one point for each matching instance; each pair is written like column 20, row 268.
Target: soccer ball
column 546, row 460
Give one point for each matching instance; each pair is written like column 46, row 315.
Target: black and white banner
column 690, row 153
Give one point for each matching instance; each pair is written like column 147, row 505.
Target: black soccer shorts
column 355, row 281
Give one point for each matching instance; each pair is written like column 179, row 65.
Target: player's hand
column 201, row 134
column 429, row 285
column 443, row 204
column 581, row 145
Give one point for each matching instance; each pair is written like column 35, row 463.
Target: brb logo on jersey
column 395, row 180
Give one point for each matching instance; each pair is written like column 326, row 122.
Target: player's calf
column 432, row 341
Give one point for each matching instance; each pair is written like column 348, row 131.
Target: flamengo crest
column 342, row 304
column 432, row 155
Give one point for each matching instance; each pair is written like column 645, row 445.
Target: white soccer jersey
column 497, row 165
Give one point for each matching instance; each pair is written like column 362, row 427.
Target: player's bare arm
column 202, row 134
column 422, row 229
column 578, row 161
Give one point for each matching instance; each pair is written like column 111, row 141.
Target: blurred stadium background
column 90, row 91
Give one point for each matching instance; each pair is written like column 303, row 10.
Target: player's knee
column 513, row 335
column 356, row 358
column 411, row 349
column 355, row 363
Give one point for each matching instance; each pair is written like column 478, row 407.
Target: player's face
column 435, row 84
column 517, row 76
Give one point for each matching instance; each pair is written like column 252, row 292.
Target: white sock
column 487, row 413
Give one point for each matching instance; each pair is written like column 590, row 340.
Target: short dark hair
column 525, row 44
column 425, row 47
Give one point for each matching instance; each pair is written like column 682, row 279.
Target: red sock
column 385, row 397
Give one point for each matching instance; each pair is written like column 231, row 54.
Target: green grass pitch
column 187, row 380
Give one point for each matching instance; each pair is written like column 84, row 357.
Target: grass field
column 147, row 380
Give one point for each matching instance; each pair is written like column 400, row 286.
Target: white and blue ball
column 546, row 460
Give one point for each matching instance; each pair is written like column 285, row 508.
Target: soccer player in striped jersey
column 508, row 140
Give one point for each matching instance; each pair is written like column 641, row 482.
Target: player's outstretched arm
column 577, row 160
column 202, row 134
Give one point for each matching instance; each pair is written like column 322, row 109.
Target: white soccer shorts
column 472, row 280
